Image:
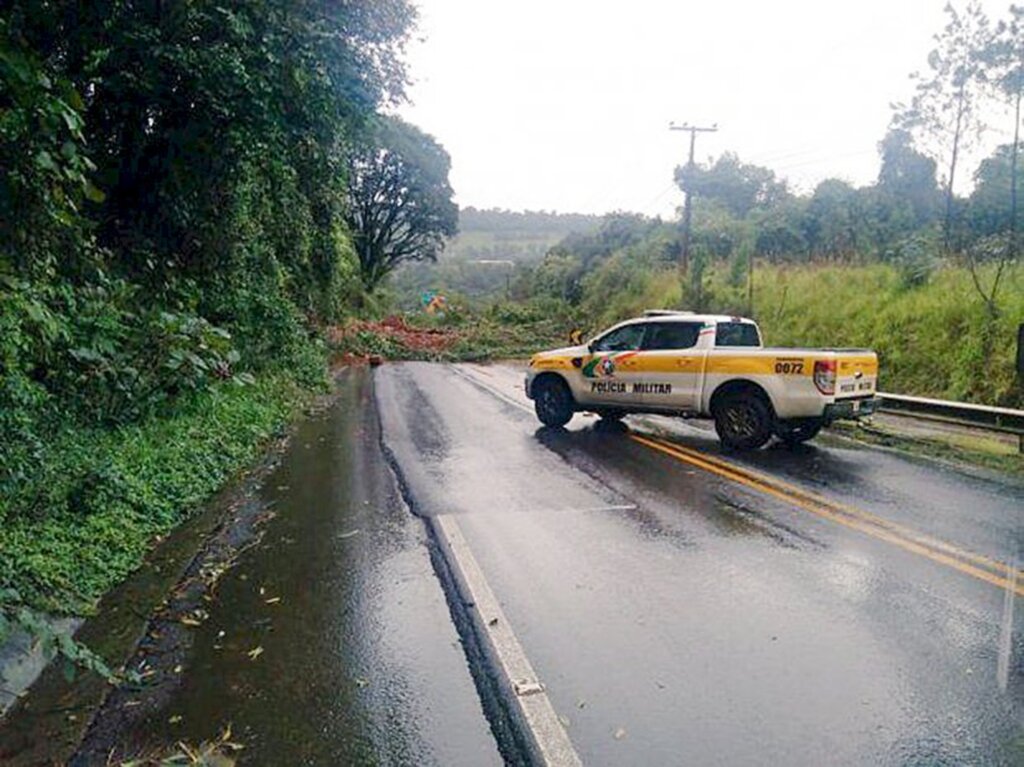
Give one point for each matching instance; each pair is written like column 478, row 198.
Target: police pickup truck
column 699, row 365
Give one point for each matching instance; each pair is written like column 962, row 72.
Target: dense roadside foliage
column 173, row 238
column 101, row 495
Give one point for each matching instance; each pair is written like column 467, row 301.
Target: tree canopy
column 740, row 186
column 400, row 202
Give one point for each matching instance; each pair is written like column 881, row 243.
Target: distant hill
column 475, row 264
column 505, row 235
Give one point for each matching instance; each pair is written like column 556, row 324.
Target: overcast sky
column 565, row 104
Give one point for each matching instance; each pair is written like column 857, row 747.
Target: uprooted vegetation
column 500, row 333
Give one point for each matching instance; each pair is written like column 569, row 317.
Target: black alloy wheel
column 743, row 421
column 553, row 402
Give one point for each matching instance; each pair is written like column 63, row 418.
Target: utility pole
column 684, row 257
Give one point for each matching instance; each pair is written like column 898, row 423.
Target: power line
column 684, row 257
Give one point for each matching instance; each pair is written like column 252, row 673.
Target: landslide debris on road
column 391, row 338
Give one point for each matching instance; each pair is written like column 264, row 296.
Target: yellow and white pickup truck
column 699, row 365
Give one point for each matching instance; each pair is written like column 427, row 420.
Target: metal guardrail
column 1000, row 419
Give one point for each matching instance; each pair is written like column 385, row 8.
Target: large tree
column 1005, row 55
column 944, row 110
column 907, row 177
column 739, row 186
column 400, row 204
column 833, row 220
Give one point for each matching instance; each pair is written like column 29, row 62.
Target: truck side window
column 624, row 339
column 672, row 335
column 736, row 334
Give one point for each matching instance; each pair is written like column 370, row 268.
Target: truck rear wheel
column 552, row 401
column 797, row 430
column 743, row 421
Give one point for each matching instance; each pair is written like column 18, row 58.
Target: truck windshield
column 737, row 334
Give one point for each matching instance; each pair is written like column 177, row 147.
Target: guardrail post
column 1020, row 354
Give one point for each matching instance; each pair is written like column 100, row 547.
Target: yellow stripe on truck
column 851, row 365
column 746, row 365
column 733, row 364
column 552, row 363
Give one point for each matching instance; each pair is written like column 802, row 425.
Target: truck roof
column 670, row 315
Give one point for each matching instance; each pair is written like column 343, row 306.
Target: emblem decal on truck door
column 604, row 367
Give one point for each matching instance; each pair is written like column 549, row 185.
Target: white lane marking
column 462, row 373
column 530, row 703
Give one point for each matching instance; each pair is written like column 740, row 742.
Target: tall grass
column 933, row 339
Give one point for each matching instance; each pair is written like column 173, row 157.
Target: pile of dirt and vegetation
column 391, row 338
column 501, row 331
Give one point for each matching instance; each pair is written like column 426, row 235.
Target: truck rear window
column 737, row 334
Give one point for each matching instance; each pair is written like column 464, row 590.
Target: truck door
column 671, row 366
column 610, row 371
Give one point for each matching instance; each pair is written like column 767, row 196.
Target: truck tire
column 743, row 421
column 552, row 401
column 798, row 430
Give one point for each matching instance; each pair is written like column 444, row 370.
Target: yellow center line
column 998, row 568
column 822, row 510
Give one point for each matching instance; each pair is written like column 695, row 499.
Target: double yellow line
column 967, row 562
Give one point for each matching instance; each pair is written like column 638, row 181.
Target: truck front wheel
column 743, row 421
column 552, row 401
column 797, row 430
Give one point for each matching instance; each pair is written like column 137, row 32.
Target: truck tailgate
column 856, row 375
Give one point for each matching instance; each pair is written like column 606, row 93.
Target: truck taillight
column 825, row 376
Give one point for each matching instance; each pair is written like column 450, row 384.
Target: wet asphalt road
column 330, row 642
column 677, row 612
column 677, row 616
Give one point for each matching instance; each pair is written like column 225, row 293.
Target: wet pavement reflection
column 330, row 641
column 678, row 616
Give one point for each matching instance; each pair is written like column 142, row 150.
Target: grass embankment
column 102, row 496
column 933, row 339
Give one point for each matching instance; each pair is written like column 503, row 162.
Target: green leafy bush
column 88, row 513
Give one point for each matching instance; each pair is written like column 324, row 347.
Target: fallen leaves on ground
column 194, row 617
column 216, row 753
